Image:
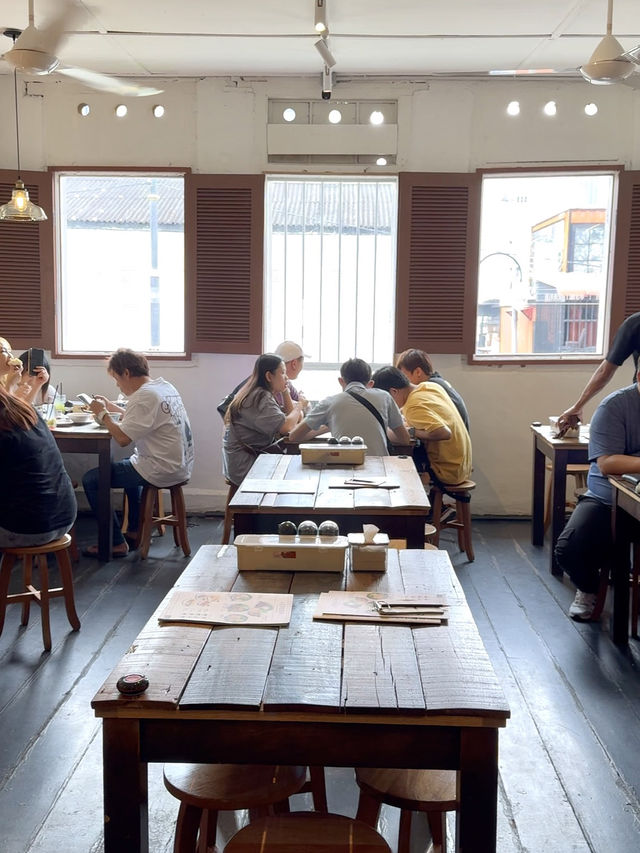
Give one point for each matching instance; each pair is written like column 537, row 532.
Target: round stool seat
column 307, row 832
column 464, row 486
column 48, row 548
column 417, row 790
column 227, row 787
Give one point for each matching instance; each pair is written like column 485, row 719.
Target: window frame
column 325, row 366
column 60, row 171
column 568, row 358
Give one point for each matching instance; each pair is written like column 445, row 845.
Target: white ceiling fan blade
column 105, row 83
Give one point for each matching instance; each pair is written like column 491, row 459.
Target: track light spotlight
column 320, row 21
column 327, row 83
column 323, row 49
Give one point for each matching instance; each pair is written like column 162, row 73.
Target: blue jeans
column 123, row 476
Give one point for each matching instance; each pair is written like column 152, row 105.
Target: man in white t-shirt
column 156, row 422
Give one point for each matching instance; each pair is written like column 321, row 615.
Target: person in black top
column 37, row 501
column 417, row 367
column 625, row 343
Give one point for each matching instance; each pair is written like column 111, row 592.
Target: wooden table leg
column 105, row 515
column 537, row 507
column 476, row 825
column 415, row 532
column 125, row 788
column 620, row 573
column 558, row 504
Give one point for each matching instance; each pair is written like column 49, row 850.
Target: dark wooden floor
column 569, row 757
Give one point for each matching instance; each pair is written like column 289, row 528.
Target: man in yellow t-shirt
column 429, row 410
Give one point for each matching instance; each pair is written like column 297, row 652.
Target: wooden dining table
column 561, row 452
column 91, row 438
column 315, row 693
column 400, row 511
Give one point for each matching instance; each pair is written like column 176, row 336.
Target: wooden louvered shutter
column 438, row 236
column 224, row 226
column 26, row 267
column 625, row 293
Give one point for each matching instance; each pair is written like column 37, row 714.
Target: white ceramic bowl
column 80, row 417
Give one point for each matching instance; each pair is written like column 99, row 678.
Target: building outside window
column 121, row 262
column 543, row 280
column 330, row 272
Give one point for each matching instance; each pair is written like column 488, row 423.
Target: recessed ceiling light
column 158, row 111
column 376, row 117
column 121, row 110
column 84, row 109
column 590, row 109
column 335, row 116
column 550, row 108
column 289, row 114
column 513, row 108
column 381, row 161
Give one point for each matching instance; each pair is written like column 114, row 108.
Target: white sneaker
column 583, row 606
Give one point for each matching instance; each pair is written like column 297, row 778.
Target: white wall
column 219, row 125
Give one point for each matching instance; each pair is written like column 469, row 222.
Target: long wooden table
column 561, row 452
column 91, row 438
column 401, row 512
column 314, row 693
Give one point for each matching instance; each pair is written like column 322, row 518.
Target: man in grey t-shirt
column 344, row 414
column 585, row 545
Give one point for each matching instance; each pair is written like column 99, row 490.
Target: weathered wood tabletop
column 401, row 512
column 315, row 693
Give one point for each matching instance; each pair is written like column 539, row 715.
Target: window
column 121, row 262
column 330, row 270
column 543, row 272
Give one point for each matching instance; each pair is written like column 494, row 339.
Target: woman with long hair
column 254, row 419
column 37, row 501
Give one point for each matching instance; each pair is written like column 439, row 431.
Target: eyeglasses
column 6, row 351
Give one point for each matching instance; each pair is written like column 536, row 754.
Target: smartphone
column 35, row 358
column 85, row 398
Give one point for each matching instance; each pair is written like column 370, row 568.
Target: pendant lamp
column 20, row 208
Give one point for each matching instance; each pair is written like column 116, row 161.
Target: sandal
column 92, row 551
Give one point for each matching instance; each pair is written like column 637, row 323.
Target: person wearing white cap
column 293, row 357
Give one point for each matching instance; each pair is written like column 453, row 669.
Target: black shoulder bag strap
column 376, row 414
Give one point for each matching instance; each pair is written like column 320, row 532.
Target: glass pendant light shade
column 20, row 208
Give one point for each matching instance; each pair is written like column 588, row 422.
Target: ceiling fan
column 35, row 51
column 609, row 63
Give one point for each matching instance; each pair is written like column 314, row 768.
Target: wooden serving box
column 273, row 553
column 333, row 454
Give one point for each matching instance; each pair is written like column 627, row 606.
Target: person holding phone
column 33, row 361
column 156, row 423
column 27, row 387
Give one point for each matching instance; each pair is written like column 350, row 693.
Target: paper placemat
column 227, row 608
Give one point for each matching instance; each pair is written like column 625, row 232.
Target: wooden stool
column 307, row 832
column 430, row 791
column 177, row 519
column 579, row 473
column 228, row 518
column 462, row 522
column 206, row 789
column 59, row 547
